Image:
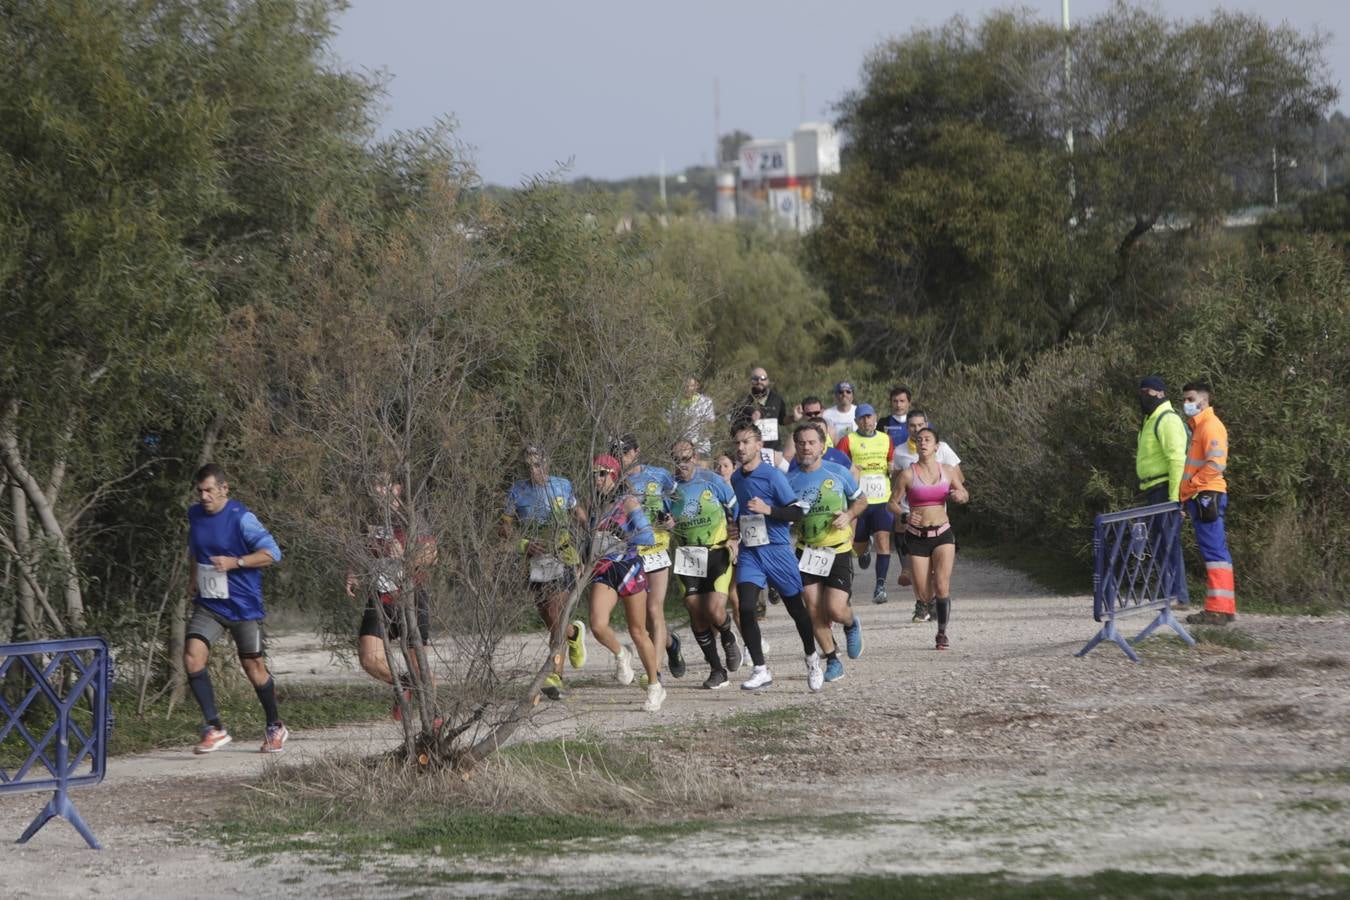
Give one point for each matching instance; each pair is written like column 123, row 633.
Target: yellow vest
column 871, row 454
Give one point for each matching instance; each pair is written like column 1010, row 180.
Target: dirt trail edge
column 1005, row 753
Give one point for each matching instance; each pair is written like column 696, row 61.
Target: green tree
column 961, row 228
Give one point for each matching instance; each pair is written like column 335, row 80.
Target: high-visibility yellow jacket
column 1208, row 456
column 1161, row 455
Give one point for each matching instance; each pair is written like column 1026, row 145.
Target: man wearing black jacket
column 773, row 409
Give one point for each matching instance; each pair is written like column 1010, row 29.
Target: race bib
column 606, row 544
column 387, row 578
column 691, row 561
column 544, row 569
column 816, row 560
column 768, row 429
column 212, row 585
column 655, row 562
column 754, row 530
column 876, row 487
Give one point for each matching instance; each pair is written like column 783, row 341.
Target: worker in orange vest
column 1204, row 495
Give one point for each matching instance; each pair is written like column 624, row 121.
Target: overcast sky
column 615, row 85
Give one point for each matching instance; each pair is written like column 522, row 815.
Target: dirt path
column 1005, row 753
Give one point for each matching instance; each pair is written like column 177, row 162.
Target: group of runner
column 771, row 515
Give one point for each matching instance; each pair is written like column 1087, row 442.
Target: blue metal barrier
column 67, row 676
column 1137, row 567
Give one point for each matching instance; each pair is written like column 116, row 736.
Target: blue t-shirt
column 825, row 493
column 771, row 486
column 541, row 504
column 831, row 455
column 652, row 485
column 234, row 531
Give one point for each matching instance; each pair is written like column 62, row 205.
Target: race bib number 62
column 754, row 531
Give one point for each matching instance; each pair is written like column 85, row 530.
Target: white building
column 781, row 179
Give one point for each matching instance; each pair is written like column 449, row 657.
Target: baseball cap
column 1152, row 383
column 607, row 463
column 843, row 386
column 864, row 409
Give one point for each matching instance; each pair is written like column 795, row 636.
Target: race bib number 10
column 754, row 531
column 691, row 561
column 212, row 585
column 816, row 560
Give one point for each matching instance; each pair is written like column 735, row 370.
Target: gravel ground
column 1005, row 753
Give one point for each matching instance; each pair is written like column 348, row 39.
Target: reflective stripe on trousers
column 1220, row 595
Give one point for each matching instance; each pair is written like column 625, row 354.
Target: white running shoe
column 815, row 676
column 623, row 666
column 759, row 677
column 656, row 695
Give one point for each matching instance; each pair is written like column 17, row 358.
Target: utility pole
column 717, row 123
column 663, row 183
column 1274, row 178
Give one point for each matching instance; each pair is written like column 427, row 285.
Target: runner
column 540, row 508
column 841, row 418
column 724, row 466
column 652, row 485
column 386, row 548
column 907, row 454
column 833, row 500
column 872, row 451
column 618, row 527
column 228, row 545
column 768, row 508
column 704, row 507
column 927, row 484
column 896, row 424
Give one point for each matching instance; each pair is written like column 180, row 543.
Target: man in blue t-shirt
column 228, row 546
column 768, row 507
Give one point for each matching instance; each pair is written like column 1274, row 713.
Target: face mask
column 1148, row 403
column 1191, row 409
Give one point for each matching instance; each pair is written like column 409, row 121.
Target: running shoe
column 930, row 611
column 815, row 677
column 674, row 658
column 879, row 595
column 834, row 670
column 213, row 739
column 942, row 642
column 920, row 612
column 553, row 687
column 642, row 679
column 759, row 678
column 623, row 666
column 275, row 740
column 773, row 595
column 865, row 558
column 576, row 646
column 733, row 652
column 905, row 579
column 656, row 695
column 853, row 638
column 716, row 681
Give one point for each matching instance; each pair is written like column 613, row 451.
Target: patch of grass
column 1315, row 805
column 1002, row 886
column 768, row 720
column 1052, row 570
column 303, row 706
column 1324, row 776
column 1226, row 636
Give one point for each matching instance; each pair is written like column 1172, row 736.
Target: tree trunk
column 25, row 616
column 46, row 513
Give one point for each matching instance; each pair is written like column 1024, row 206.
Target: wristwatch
column 239, row 562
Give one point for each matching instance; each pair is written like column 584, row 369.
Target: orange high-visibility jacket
column 1208, row 456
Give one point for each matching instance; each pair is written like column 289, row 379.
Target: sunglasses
column 600, row 473
column 759, row 377
column 682, row 459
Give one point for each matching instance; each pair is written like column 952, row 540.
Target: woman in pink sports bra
column 927, row 485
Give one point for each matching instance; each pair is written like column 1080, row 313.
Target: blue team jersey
column 825, row 493
column 541, row 504
column 771, row 486
column 652, row 485
column 702, row 506
column 831, row 455
column 235, row 532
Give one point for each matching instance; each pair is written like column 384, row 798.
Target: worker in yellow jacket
column 1161, row 455
column 1204, row 491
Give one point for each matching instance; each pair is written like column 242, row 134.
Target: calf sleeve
column 200, row 682
column 748, row 596
column 806, row 629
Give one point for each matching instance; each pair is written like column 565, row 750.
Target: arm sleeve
column 256, row 537
column 639, row 529
column 793, row 512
